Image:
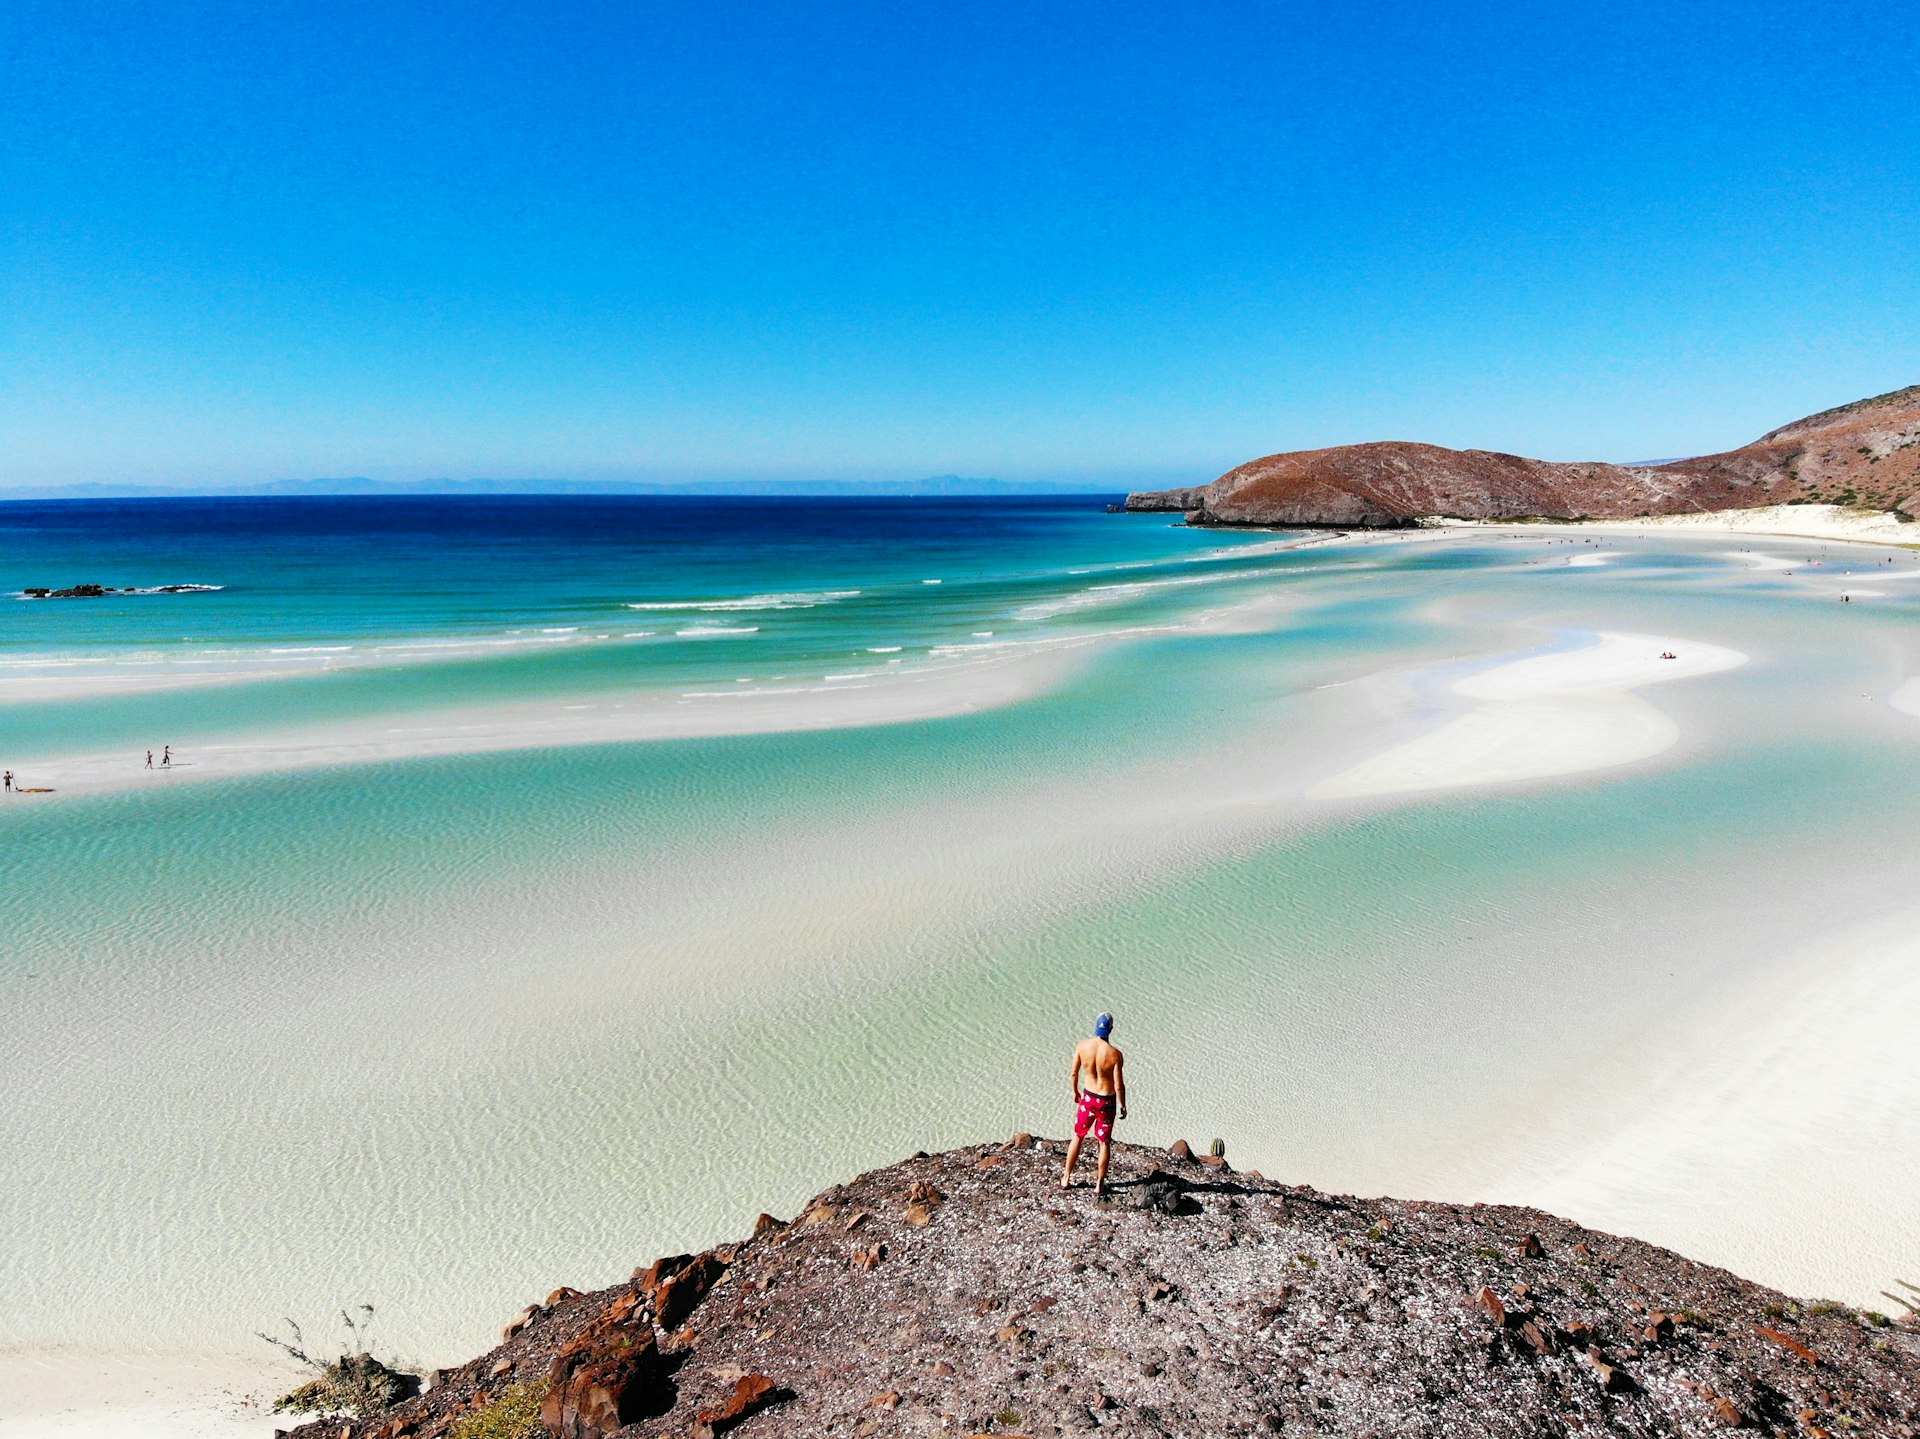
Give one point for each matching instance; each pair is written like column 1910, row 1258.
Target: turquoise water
column 439, row 1033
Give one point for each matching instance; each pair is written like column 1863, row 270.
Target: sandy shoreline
column 85, row 1394
column 1812, row 522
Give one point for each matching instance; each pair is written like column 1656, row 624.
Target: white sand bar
column 955, row 679
column 1550, row 714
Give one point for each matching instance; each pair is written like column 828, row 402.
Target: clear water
column 442, row 1033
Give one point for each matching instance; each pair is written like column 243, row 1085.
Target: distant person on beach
column 149, row 759
column 9, row 779
column 166, row 756
column 1099, row 1085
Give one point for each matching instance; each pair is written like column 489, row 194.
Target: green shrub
column 514, row 1415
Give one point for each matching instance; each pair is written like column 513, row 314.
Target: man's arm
column 1120, row 1081
column 1073, row 1076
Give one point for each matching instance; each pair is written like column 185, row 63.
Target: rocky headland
column 1866, row 454
column 965, row 1294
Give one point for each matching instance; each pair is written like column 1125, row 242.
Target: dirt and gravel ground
column 964, row 1294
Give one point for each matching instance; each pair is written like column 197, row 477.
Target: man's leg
column 1100, row 1170
column 1073, row 1158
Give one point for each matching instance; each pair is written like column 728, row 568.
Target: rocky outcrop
column 1182, row 500
column 964, row 1294
column 1865, row 454
column 94, row 592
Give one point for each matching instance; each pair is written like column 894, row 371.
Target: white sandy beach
column 1814, row 522
column 1559, row 713
column 1783, row 1110
column 74, row 1394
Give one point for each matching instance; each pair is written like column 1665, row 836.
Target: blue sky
column 1116, row 242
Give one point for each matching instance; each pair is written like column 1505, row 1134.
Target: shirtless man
column 1099, row 1083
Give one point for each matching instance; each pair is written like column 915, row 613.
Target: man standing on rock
column 1104, row 1085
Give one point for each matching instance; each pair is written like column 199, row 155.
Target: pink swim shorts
column 1096, row 1114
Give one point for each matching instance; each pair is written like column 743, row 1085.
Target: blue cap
column 1103, row 1026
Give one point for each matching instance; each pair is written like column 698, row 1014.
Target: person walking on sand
column 1099, row 1083
column 166, row 756
column 149, row 759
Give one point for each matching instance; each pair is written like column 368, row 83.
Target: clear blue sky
column 1125, row 242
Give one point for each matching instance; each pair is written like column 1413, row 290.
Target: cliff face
column 1866, row 453
column 964, row 1294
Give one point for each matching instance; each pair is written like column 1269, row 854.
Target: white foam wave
column 803, row 600
column 1113, row 594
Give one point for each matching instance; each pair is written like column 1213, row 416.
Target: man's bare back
column 1096, row 1067
column 1099, row 1080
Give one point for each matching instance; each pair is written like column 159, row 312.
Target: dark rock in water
column 1198, row 1304
column 74, row 592
column 94, row 592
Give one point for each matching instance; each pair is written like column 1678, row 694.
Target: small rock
column 1490, row 1302
column 751, row 1394
column 1537, row 1339
column 562, row 1295
column 651, row 1276
column 678, row 1296
column 1728, row 1413
column 1788, row 1343
column 1612, row 1378
column 520, row 1321
column 922, row 1200
column 888, row 1400
column 943, row 1369
column 766, row 1224
column 1532, row 1248
column 867, row 1260
column 1180, row 1150
column 500, row 1367
column 1022, row 1140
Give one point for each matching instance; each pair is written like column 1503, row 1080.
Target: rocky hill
column 1867, row 454
column 963, row 1294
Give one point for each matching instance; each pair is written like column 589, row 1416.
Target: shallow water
column 442, row 1033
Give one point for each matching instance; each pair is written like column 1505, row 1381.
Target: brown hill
column 963, row 1294
column 1867, row 454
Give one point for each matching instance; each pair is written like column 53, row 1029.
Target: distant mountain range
column 931, row 485
column 1866, row 454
